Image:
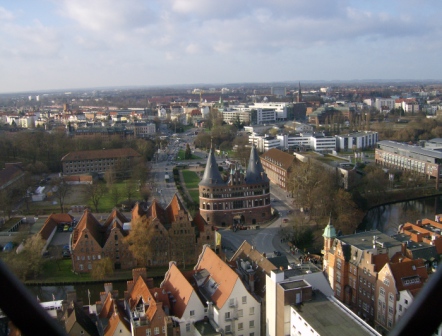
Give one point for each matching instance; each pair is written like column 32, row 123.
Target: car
column 66, row 247
column 66, row 228
column 285, row 220
column 66, row 254
column 277, row 253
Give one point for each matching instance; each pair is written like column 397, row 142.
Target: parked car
column 66, row 254
column 277, row 253
column 66, row 228
column 66, row 247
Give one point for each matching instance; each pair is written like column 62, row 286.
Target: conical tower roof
column 212, row 176
column 254, row 168
column 329, row 231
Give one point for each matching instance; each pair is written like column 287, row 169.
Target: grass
column 191, row 179
column 194, row 194
column 181, row 153
column 62, row 272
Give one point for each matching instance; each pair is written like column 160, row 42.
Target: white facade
column 308, row 141
column 379, row 103
column 403, row 303
column 357, row 140
column 280, row 108
column 241, row 314
column 194, row 312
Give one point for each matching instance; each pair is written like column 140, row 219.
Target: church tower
column 299, row 100
column 329, row 235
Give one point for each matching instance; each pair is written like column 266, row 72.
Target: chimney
column 136, row 272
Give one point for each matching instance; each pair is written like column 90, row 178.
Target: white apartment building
column 142, row 129
column 279, row 108
column 381, row 103
column 313, row 142
column 299, row 302
column 356, row 140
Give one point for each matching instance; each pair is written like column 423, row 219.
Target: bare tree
column 96, row 192
column 61, row 190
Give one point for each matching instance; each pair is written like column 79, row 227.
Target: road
column 266, row 239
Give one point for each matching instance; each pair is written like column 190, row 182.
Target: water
column 386, row 218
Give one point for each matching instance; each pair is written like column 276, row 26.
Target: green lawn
column 195, row 196
column 191, row 179
column 180, row 156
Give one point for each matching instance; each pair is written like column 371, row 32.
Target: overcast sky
column 60, row 44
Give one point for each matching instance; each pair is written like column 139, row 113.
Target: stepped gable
column 212, row 176
column 200, row 223
column 116, row 320
column 90, row 223
column 175, row 283
column 115, row 221
column 255, row 172
column 108, row 307
column 138, row 211
column 140, row 291
column 174, row 207
column 155, row 210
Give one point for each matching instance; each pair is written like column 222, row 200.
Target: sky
column 62, row 44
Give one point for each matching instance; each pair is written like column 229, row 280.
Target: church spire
column 211, row 175
column 255, row 171
column 299, row 92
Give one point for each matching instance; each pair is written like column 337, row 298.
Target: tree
column 131, row 187
column 187, row 153
column 61, row 190
column 102, row 268
column 29, row 262
column 96, row 192
column 115, row 194
column 141, row 240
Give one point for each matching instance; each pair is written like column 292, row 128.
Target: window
column 252, row 324
column 228, row 329
column 164, row 329
column 240, row 313
column 148, row 332
column 192, row 313
column 187, row 327
column 240, row 326
column 227, row 316
column 252, row 310
column 244, row 299
column 156, row 331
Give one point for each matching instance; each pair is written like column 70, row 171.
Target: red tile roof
column 175, row 283
column 100, row 154
column 220, row 272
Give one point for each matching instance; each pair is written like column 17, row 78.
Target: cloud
column 5, row 14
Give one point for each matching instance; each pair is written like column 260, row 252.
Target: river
column 386, row 218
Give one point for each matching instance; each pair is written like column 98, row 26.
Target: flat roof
column 327, row 318
column 411, row 148
column 293, row 284
column 364, row 240
column 205, row 328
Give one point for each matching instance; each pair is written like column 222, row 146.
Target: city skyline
column 48, row 45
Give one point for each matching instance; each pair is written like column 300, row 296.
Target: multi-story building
column 231, row 307
column 277, row 165
column 396, row 284
column 176, row 236
column 142, row 129
column 356, row 141
column 98, row 161
column 243, row 198
column 91, row 241
column 343, row 257
column 384, row 104
column 406, row 157
column 302, row 303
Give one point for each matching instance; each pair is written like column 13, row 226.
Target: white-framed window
column 148, row 333
column 164, row 329
column 240, row 326
column 192, row 313
column 227, row 315
column 187, row 327
column 156, row 331
column 228, row 329
column 244, row 299
column 240, row 312
column 252, row 311
column 252, row 324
